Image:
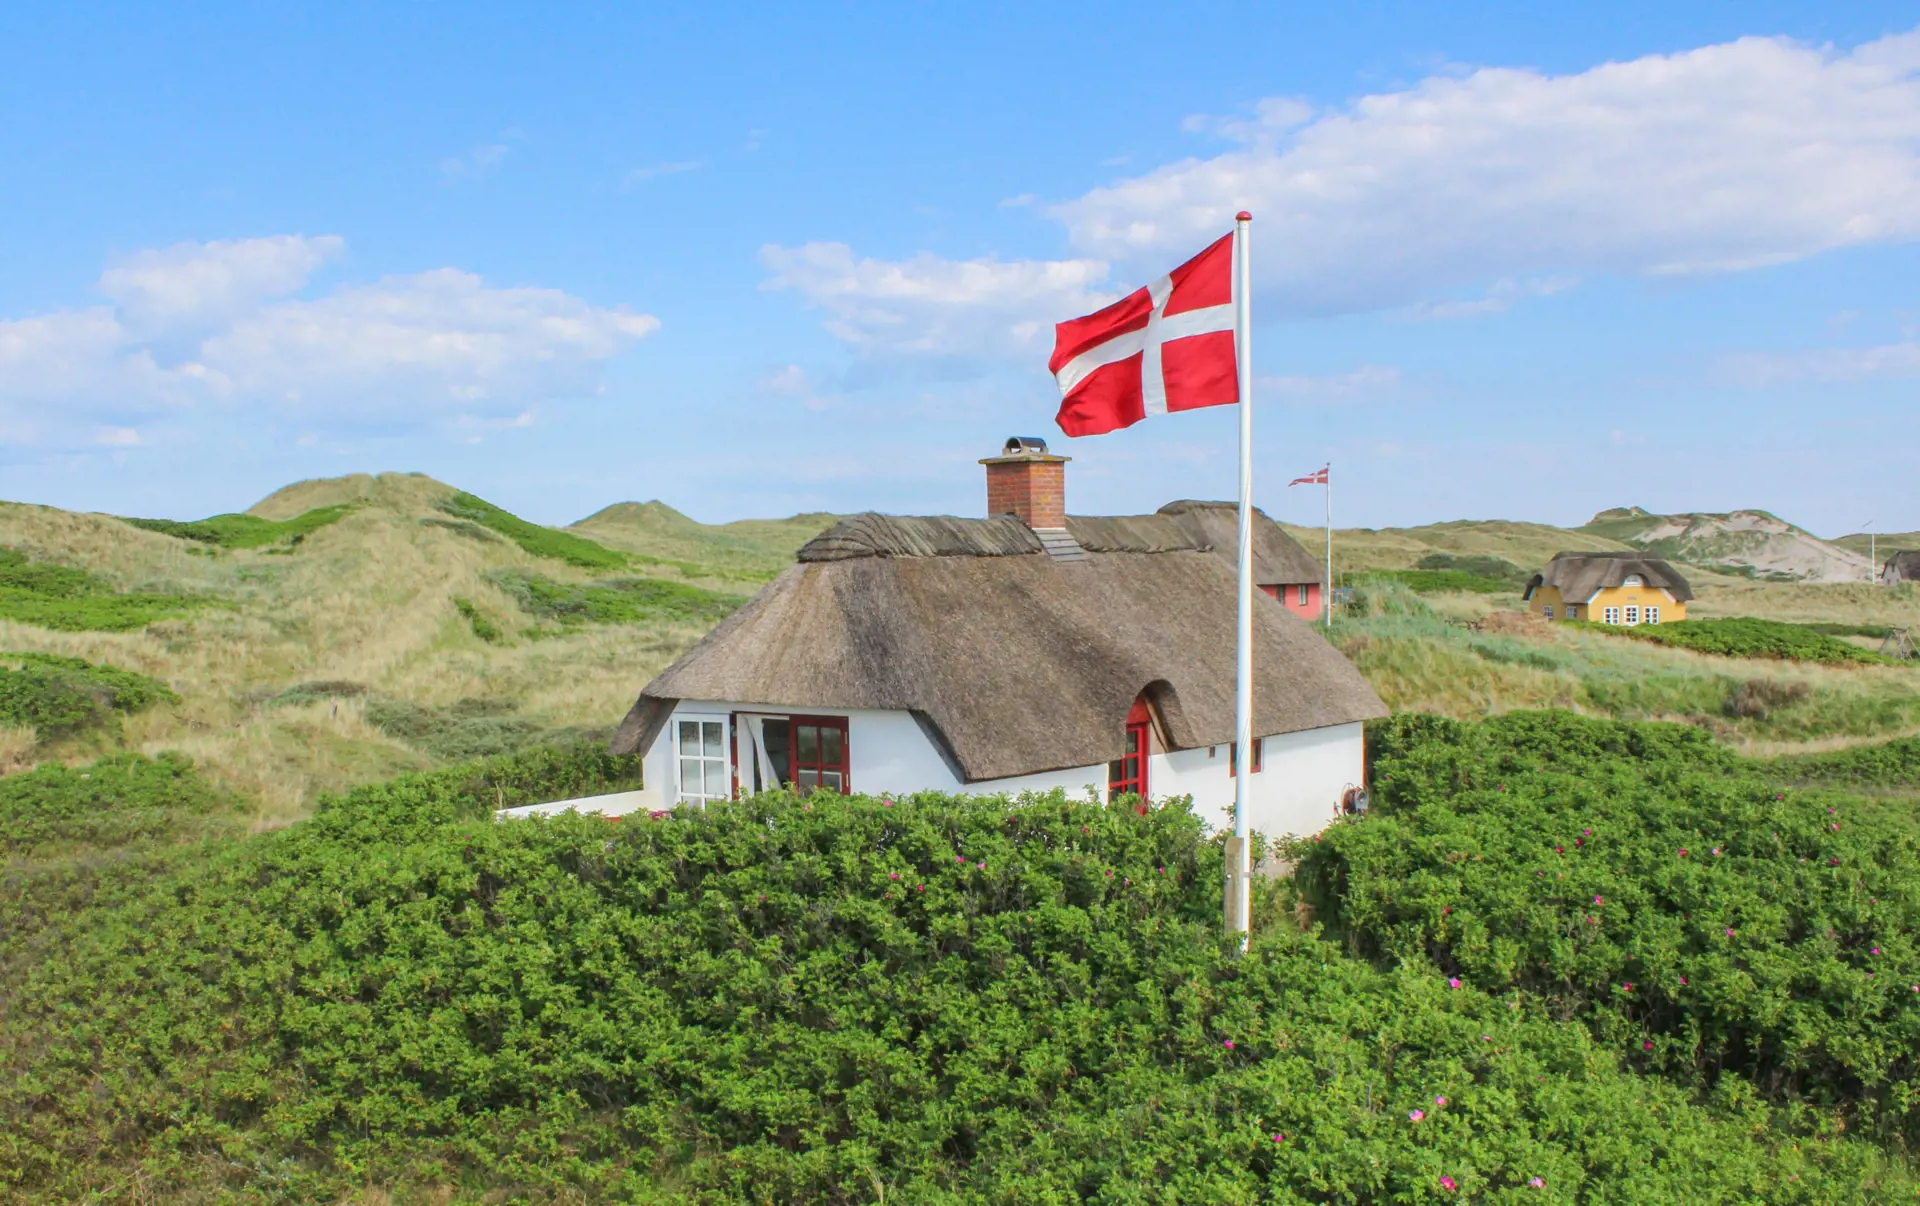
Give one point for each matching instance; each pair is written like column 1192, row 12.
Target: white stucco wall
column 1297, row 791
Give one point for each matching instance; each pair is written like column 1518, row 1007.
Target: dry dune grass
column 366, row 601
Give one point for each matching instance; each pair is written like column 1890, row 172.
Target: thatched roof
column 1578, row 575
column 1903, row 566
column 1015, row 663
column 1193, row 527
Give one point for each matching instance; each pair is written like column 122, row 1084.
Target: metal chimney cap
column 1025, row 446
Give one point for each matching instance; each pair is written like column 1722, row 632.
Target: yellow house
column 1609, row 588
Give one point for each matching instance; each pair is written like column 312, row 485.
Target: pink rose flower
column 1416, row 1115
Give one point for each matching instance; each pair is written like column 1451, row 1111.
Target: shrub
column 60, row 696
column 118, row 801
column 1479, row 565
column 616, row 600
column 247, row 531
column 470, row 728
column 1757, row 698
column 72, row 600
column 1888, row 764
column 539, row 541
column 476, row 619
column 783, row 1000
column 1647, row 882
column 1744, row 636
column 1430, row 582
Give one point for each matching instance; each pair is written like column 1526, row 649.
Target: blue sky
column 1510, row 262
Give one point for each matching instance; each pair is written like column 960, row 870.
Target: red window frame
column 820, row 765
column 1128, row 773
column 1233, row 756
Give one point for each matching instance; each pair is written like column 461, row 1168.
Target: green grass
column 616, row 600
column 1437, row 581
column 1747, row 637
column 477, row 620
column 470, row 728
column 539, row 541
column 1479, row 565
column 805, row 1001
column 62, row 696
column 246, row 531
column 71, row 600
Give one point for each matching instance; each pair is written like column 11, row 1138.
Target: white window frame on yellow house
column 1610, row 615
column 1633, row 615
column 1652, row 616
column 1547, row 611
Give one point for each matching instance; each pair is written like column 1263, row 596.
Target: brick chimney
column 1029, row 483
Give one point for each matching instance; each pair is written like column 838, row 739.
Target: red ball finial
column 1243, row 216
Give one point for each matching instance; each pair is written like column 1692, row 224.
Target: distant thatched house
column 1902, row 567
column 1026, row 651
column 1609, row 588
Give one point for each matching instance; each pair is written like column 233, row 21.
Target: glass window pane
column 1133, row 741
column 716, row 778
column 715, row 734
column 831, row 781
column 689, row 736
column 808, row 739
column 830, row 747
column 690, row 779
column 807, row 780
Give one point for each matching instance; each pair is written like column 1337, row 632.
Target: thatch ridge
column 1578, row 575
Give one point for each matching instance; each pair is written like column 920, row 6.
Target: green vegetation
column 470, row 728
column 751, row 550
column 918, row 1000
column 615, row 600
column 1701, row 920
column 1890, row 766
column 1480, row 565
column 62, row 696
column 240, row 531
column 72, row 600
column 477, row 620
column 1874, row 631
column 1744, row 636
column 1436, row 581
column 539, row 541
column 121, row 801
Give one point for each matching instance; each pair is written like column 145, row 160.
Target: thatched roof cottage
column 1027, row 650
column 1610, row 588
column 1903, row 566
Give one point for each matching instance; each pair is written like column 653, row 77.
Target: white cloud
column 641, row 175
column 1507, row 183
column 221, row 323
column 1727, row 157
column 1366, row 382
column 932, row 305
column 480, row 161
column 1885, row 362
column 193, row 283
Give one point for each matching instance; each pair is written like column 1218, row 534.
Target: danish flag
column 1163, row 348
column 1316, row 478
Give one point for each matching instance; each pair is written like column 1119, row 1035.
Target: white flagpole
column 1326, row 598
column 1238, row 899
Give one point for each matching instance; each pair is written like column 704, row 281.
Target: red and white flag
column 1316, row 478
column 1163, row 348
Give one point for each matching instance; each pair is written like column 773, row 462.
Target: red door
column 1127, row 774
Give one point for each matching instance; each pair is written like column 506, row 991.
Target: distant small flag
column 1312, row 479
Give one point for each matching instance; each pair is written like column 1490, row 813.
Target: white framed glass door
column 704, row 771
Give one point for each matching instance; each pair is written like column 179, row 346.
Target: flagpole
column 1238, row 895
column 1326, row 600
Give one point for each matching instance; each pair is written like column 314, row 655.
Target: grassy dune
column 363, row 606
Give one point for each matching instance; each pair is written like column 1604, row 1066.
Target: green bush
column 615, row 600
column 829, row 1000
column 1431, row 581
column 1744, row 636
column 242, row 531
column 60, row 696
column 1695, row 914
column 477, row 620
column 1480, row 565
column 1888, row 764
column 117, row 801
column 72, row 600
column 541, row 542
column 470, row 728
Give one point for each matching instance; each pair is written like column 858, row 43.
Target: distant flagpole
column 1238, row 894
column 1326, row 596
